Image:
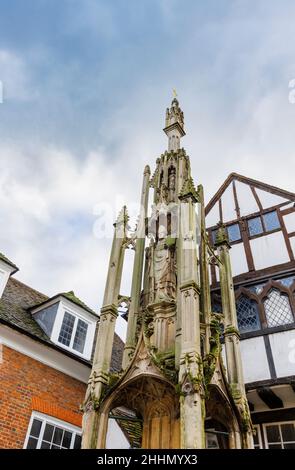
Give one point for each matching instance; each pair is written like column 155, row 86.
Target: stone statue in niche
column 171, row 183
column 171, row 178
column 163, row 194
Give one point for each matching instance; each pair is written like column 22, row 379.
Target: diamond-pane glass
column 255, row 226
column 247, row 314
column 277, row 309
column 271, row 221
column 234, row 233
column 66, row 329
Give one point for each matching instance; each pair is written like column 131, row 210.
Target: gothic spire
column 174, row 125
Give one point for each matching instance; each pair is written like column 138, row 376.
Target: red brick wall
column 27, row 385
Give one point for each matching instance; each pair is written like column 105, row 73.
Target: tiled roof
column 130, row 425
column 16, row 299
column 69, row 296
column 15, row 304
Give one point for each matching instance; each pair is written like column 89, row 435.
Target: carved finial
column 123, row 216
column 174, row 124
column 189, row 190
column 174, row 115
column 147, row 170
column 222, row 236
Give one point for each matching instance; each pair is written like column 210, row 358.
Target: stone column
column 232, row 337
column 204, row 274
column 190, row 372
column 104, row 344
column 137, row 272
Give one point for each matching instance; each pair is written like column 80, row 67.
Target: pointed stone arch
column 221, row 410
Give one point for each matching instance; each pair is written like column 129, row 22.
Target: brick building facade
column 46, row 347
column 28, row 385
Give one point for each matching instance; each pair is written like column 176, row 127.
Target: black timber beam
column 270, row 398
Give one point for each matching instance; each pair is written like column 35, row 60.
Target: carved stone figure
column 164, row 272
column 172, row 179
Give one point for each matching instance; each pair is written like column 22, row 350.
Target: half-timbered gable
column 260, row 223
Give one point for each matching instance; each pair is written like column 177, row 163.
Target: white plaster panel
column 269, row 250
column 115, row 437
column 228, row 205
column 246, row 200
column 268, row 199
column 283, row 351
column 238, row 259
column 213, row 217
column 254, row 359
column 289, row 220
column 292, row 242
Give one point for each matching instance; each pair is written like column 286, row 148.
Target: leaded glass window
column 247, row 314
column 277, row 309
column 66, row 330
column 234, row 233
column 271, row 221
column 255, row 226
column 80, row 336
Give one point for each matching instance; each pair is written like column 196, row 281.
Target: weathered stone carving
column 172, row 372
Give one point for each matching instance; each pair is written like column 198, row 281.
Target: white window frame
column 76, row 319
column 46, row 419
column 258, row 434
column 66, row 307
column 277, row 423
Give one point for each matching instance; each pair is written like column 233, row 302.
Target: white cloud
column 232, row 75
column 48, row 214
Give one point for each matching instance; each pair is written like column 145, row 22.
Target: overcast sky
column 86, row 84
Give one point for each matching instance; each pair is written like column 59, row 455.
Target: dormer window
column 68, row 322
column 73, row 332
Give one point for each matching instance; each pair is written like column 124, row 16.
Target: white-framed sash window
column 46, row 432
column 279, row 435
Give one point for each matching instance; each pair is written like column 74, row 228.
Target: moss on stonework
column 73, row 298
column 232, row 330
column 113, row 379
column 209, row 363
column 243, row 407
column 165, row 361
column 170, row 241
column 178, row 390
